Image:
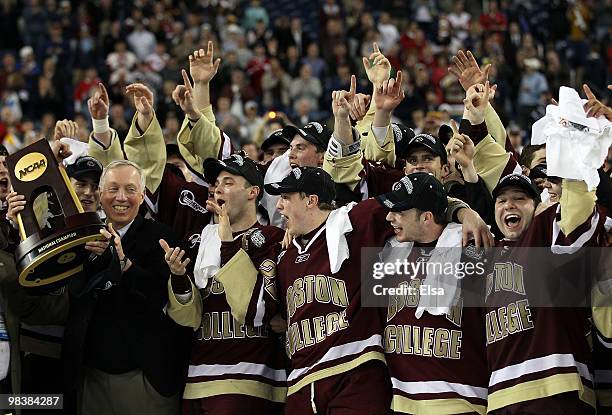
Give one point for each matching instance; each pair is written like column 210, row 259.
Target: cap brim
column 274, row 140
column 428, row 146
column 275, row 189
column 393, row 202
column 292, row 131
column 81, row 173
column 213, row 167
column 529, row 189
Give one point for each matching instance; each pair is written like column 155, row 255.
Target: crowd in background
column 281, row 60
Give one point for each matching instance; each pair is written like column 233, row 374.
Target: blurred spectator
column 494, row 20
column 141, row 41
column 459, row 20
column 388, row 31
column 533, row 84
column 171, row 128
column 56, row 46
column 292, row 63
column 316, row 63
column 238, row 88
column 252, row 121
column 118, row 120
column 158, row 60
column 276, row 84
column 81, row 93
column 557, row 72
column 306, row 86
column 254, row 13
column 121, row 58
column 303, row 111
column 299, row 37
column 257, row 67
column 515, row 135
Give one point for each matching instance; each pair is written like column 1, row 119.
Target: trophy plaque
column 49, row 255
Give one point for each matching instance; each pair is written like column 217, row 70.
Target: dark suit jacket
column 124, row 326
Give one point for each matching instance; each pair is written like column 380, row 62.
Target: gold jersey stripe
column 335, row 370
column 239, row 277
column 448, row 406
column 235, row 387
column 541, row 388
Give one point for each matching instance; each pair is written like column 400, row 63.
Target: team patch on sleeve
column 268, row 269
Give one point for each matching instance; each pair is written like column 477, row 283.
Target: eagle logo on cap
column 397, row 132
column 238, row 159
column 258, row 238
column 317, row 127
column 407, row 184
column 90, row 163
column 297, row 173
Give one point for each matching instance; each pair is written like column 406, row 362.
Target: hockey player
column 434, row 345
column 234, row 368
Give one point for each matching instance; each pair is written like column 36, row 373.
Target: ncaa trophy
column 47, row 258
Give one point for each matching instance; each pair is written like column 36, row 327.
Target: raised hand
column 359, row 106
column 341, row 100
column 594, row 107
column 60, row 150
column 377, row 67
column 476, row 101
column 183, row 97
column 99, row 103
column 225, row 227
column 460, row 146
column 465, row 67
column 174, row 258
column 142, row 97
column 66, row 128
column 201, row 66
column 389, row 94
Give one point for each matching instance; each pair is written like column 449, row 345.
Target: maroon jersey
column 181, row 205
column 437, row 363
column 328, row 330
column 229, row 357
column 536, row 352
column 377, row 178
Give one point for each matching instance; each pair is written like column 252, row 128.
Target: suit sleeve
column 148, row 150
column 146, row 280
column 106, row 155
column 188, row 314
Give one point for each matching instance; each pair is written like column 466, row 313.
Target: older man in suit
column 133, row 355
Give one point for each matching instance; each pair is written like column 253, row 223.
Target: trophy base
column 44, row 265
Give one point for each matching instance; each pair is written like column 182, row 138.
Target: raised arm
column 466, row 69
column 199, row 138
column 104, row 142
column 491, row 159
column 376, row 136
column 145, row 143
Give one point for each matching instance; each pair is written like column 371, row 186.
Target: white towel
column 208, row 261
column 450, row 253
column 337, row 226
column 78, row 149
column 278, row 170
column 572, row 153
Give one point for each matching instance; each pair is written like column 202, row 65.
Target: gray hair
column 122, row 163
